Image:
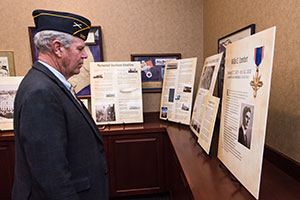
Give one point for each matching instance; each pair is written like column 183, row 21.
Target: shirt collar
column 58, row 75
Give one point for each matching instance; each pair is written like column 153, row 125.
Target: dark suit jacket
column 59, row 150
column 242, row 140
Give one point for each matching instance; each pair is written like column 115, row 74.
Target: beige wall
column 160, row 26
column 128, row 26
column 226, row 16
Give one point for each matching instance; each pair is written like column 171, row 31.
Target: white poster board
column 247, row 82
column 177, row 92
column 210, row 111
column 206, row 87
column 116, row 92
column 8, row 90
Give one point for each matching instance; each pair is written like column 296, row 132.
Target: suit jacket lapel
column 87, row 116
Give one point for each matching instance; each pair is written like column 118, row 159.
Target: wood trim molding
column 286, row 164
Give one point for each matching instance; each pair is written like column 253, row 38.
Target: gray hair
column 43, row 39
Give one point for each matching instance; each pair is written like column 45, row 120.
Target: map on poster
column 116, row 90
column 247, row 82
column 206, row 87
column 177, row 92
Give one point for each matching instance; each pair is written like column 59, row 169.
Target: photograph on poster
column 245, row 130
column 152, row 66
column 171, row 94
column 164, row 112
column 207, row 77
column 187, row 88
column 195, row 125
column 7, row 96
column 8, row 90
column 105, row 112
column 185, row 106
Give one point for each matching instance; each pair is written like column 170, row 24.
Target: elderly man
column 59, row 150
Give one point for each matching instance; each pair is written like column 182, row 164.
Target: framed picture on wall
column 7, row 64
column 81, row 82
column 153, row 67
column 223, row 42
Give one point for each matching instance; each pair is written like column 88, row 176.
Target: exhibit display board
column 205, row 89
column 247, row 82
column 177, row 92
column 211, row 105
column 116, row 92
column 8, row 90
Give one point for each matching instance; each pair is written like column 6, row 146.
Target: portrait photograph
column 245, row 125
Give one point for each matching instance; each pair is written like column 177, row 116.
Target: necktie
column 72, row 90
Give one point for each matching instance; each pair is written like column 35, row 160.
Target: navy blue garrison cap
column 61, row 21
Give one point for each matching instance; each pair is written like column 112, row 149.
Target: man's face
column 246, row 120
column 72, row 59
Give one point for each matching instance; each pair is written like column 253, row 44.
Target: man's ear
column 57, row 48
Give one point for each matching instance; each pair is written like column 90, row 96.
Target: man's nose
column 84, row 54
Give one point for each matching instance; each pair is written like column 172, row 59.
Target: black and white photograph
column 196, row 126
column 98, row 76
column 105, row 112
column 245, row 128
column 133, row 70
column 207, row 77
column 171, row 95
column 172, row 66
column 8, row 90
column 7, row 97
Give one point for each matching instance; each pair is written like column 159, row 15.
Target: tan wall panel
column 224, row 17
column 128, row 26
